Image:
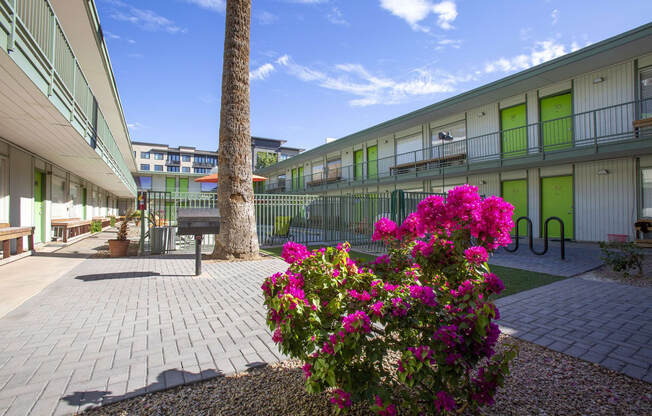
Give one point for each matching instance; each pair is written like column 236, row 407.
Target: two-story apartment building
column 65, row 150
column 558, row 139
column 262, row 146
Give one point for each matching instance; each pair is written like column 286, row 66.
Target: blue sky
column 328, row 68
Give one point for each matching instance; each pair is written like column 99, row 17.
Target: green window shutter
column 513, row 122
column 557, row 122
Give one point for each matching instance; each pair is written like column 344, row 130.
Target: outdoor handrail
column 610, row 124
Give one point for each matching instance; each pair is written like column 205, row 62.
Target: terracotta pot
column 118, row 248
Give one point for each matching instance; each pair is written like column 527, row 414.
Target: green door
column 170, row 184
column 301, row 178
column 515, row 192
column 84, row 202
column 295, row 183
column 372, row 162
column 513, row 122
column 358, row 159
column 557, row 122
column 183, row 185
column 39, row 206
column 557, row 201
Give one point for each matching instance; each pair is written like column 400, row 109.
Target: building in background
column 564, row 138
column 65, row 150
column 266, row 152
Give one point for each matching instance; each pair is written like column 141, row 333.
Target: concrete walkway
column 605, row 323
column 115, row 328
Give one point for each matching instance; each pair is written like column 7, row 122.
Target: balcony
column 36, row 44
column 618, row 130
column 207, row 165
column 173, row 162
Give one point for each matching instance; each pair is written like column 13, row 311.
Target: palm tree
column 235, row 194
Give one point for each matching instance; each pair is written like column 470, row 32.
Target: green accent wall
column 39, row 206
column 557, row 121
column 372, row 161
column 358, row 159
column 514, row 140
column 557, row 201
column 183, row 185
column 515, row 192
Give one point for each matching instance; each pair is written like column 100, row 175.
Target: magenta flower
column 424, row 293
column 341, row 398
column 363, row 297
column 466, row 288
column 421, row 248
column 444, row 401
column 384, row 230
column 377, row 308
column 386, row 409
column 358, row 321
column 411, row 228
column 306, row 370
column 294, row 252
column 493, row 282
column 277, row 337
column 432, row 212
column 476, row 255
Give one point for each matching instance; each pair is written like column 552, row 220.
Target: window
column 158, row 168
column 158, row 156
column 454, row 142
column 173, row 168
column 185, row 158
column 144, row 155
column 144, row 182
column 202, row 170
column 208, row 187
column 646, row 192
column 335, row 168
column 317, row 171
column 208, row 160
column 185, row 169
column 173, row 157
column 646, row 92
column 144, row 166
column 408, row 149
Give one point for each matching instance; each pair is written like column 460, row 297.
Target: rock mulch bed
column 543, row 382
column 606, row 274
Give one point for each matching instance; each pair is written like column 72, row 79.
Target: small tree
column 264, row 159
column 412, row 331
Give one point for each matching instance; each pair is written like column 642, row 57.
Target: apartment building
column 566, row 138
column 172, row 169
column 65, row 150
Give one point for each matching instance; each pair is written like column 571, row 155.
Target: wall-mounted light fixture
column 481, row 114
column 598, row 80
column 603, row 172
column 483, row 182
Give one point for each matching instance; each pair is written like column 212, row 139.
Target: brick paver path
column 602, row 322
column 115, row 328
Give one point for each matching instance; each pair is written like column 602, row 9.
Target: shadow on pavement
column 111, row 276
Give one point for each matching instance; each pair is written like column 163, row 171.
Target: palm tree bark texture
column 235, row 195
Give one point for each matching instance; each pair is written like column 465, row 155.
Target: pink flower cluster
column 377, row 308
column 341, row 399
column 358, row 321
column 421, row 353
column 494, row 284
column 485, row 388
column 448, row 335
column 494, row 222
column 412, row 228
column 307, row 367
column 476, row 255
column 294, row 252
column 466, row 288
column 384, row 230
column 444, row 402
column 424, row 293
column 386, row 409
column 363, row 296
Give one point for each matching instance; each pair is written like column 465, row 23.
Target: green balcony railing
column 32, row 28
column 586, row 132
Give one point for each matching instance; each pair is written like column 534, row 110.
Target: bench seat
column 16, row 233
column 66, row 228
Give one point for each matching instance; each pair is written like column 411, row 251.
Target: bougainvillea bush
column 411, row 332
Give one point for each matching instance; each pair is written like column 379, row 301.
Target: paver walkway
column 606, row 323
column 115, row 328
column 580, row 258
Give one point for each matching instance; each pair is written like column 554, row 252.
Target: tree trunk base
column 219, row 253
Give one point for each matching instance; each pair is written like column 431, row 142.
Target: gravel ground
column 543, row 382
column 606, row 274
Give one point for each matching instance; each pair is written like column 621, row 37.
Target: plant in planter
column 120, row 246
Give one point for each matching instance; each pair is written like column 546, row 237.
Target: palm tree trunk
column 235, row 194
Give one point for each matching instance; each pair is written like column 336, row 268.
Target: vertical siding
column 482, row 129
column 533, row 117
column 604, row 204
column 533, row 201
column 491, row 185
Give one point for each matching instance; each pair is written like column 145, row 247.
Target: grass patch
column 515, row 280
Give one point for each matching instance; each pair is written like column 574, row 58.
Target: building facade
column 559, row 139
column 65, row 150
column 265, row 152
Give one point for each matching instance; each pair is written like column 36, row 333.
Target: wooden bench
column 642, row 227
column 426, row 164
column 16, row 233
column 105, row 221
column 324, row 181
column 4, row 225
column 641, row 124
column 66, row 228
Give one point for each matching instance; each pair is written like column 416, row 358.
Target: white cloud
column 541, row 52
column 453, row 43
column 111, row 35
column 261, row 72
column 414, row 11
column 143, row 18
column 555, row 16
column 135, row 125
column 266, row 18
column 335, row 16
column 369, row 89
column 214, row 5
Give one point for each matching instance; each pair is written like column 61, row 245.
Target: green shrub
column 96, row 226
column 622, row 257
column 112, row 221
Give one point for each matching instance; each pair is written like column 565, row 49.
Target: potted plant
column 120, row 246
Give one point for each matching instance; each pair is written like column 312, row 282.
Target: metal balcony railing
column 587, row 132
column 33, row 27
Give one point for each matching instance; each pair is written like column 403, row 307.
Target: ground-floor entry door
column 557, row 201
column 39, row 206
column 515, row 192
